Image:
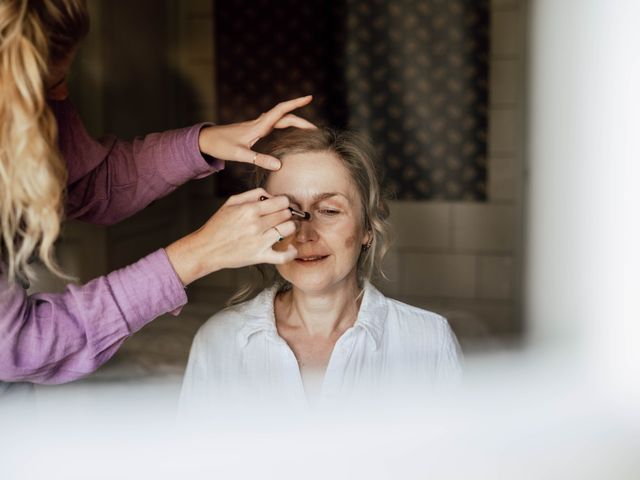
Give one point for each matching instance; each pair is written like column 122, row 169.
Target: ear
column 367, row 239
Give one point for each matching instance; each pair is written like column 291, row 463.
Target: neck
column 322, row 313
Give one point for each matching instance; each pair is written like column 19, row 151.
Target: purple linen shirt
column 56, row 338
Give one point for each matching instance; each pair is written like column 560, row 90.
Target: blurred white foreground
column 517, row 417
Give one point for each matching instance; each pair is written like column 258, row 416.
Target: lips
column 309, row 259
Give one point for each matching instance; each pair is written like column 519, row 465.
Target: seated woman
column 319, row 329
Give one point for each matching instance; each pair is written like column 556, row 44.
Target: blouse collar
column 259, row 315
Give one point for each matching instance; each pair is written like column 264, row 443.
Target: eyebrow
column 317, row 197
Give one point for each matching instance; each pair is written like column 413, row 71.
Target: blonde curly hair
column 34, row 35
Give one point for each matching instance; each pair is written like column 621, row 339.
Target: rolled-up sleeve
column 56, row 338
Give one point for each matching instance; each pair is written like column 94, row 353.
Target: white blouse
column 237, row 356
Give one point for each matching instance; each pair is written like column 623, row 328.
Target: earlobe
column 367, row 241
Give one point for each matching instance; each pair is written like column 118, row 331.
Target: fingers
column 277, row 117
column 234, row 142
column 278, row 258
column 274, row 219
column 267, row 161
column 248, row 196
column 273, row 116
column 285, row 107
column 279, row 232
column 273, row 210
column 246, row 155
column 291, row 120
column 273, row 205
column 284, row 229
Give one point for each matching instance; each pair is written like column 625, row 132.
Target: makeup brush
column 294, row 212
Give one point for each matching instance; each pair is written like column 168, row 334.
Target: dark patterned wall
column 412, row 74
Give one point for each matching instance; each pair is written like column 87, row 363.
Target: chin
column 313, row 282
column 309, row 283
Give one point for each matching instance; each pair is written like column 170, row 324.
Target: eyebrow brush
column 294, row 212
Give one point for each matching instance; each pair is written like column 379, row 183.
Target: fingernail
column 274, row 164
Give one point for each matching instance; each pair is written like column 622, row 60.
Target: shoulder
column 232, row 322
column 226, row 322
column 403, row 312
column 398, row 318
column 426, row 335
column 419, row 324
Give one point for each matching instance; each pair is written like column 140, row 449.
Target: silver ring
column 280, row 237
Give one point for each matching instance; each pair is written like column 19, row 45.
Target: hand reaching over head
column 233, row 142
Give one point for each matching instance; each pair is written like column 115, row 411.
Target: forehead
column 306, row 174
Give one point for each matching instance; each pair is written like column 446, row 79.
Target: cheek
column 350, row 241
column 352, row 234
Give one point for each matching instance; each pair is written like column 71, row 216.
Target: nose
column 305, row 232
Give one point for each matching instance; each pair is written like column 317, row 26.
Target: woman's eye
column 329, row 211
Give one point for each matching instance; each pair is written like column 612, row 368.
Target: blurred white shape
column 582, row 229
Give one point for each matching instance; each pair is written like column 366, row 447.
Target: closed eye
column 329, row 211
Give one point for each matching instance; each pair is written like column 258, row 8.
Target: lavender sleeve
column 112, row 179
column 57, row 338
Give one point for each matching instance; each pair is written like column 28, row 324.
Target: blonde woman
column 317, row 329
column 51, row 168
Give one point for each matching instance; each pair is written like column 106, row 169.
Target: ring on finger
column 280, row 237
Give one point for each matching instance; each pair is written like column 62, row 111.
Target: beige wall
column 460, row 259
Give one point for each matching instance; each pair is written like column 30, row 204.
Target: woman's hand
column 240, row 233
column 234, row 142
